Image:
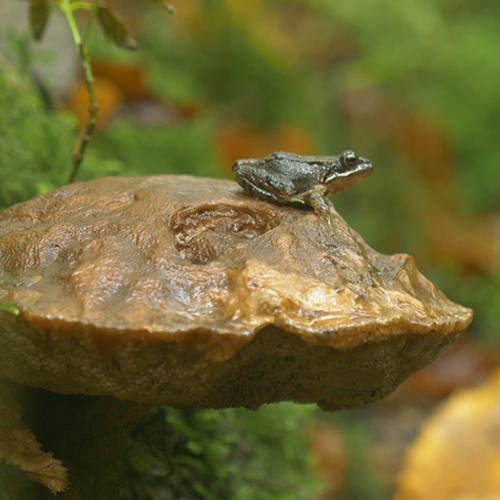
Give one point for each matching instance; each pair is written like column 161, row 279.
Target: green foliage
column 4, row 472
column 35, row 146
column 219, row 455
column 9, row 475
column 361, row 482
column 479, row 292
column 34, row 153
column 9, row 308
column 222, row 67
column 182, row 148
column 35, row 143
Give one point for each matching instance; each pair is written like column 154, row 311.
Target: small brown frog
column 290, row 178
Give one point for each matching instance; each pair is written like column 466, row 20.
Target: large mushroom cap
column 187, row 292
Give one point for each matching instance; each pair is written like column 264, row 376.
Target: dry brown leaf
column 464, row 365
column 457, row 455
column 19, row 447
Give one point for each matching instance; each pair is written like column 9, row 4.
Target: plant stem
column 82, row 49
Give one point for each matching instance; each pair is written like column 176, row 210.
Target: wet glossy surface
column 178, row 274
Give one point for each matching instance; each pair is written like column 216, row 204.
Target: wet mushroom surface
column 187, row 292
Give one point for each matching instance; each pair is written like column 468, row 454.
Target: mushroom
column 186, row 292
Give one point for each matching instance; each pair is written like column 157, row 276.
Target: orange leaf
column 244, row 140
column 108, row 95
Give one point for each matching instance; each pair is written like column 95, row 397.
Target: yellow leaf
column 457, row 455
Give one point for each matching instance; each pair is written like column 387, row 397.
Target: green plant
column 114, row 28
column 220, row 454
column 9, row 308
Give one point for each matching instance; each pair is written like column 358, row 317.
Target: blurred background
column 414, row 86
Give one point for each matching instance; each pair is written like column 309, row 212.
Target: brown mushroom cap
column 187, row 292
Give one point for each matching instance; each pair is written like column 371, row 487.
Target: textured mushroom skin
column 185, row 291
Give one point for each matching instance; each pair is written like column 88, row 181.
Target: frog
column 289, row 178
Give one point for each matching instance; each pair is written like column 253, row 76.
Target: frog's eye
column 350, row 159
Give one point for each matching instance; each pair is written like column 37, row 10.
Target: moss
column 221, row 454
column 34, row 151
column 36, row 142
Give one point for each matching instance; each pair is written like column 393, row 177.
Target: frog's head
column 344, row 171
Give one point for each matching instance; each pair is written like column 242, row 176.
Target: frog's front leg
column 324, row 208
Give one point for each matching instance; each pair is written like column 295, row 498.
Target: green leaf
column 39, row 15
column 9, row 308
column 114, row 28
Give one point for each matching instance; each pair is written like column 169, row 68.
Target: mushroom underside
column 273, row 365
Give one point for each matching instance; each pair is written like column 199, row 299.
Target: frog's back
column 301, row 169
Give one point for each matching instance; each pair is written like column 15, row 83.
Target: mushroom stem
column 88, row 433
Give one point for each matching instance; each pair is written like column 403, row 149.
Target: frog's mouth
column 365, row 167
column 342, row 181
column 240, row 172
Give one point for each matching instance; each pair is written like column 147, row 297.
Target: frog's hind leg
column 324, row 208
